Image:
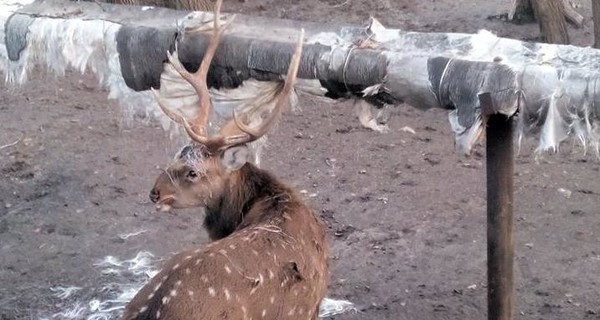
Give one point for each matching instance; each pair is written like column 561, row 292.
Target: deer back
column 274, row 269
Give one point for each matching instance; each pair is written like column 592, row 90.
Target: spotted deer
column 269, row 255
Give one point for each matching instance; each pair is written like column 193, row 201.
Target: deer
column 268, row 255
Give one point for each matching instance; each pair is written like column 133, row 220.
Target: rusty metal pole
column 500, row 245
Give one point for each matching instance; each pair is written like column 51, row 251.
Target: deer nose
column 154, row 195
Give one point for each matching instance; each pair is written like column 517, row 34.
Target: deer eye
column 192, row 174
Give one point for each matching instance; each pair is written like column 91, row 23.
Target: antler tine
column 282, row 99
column 198, row 79
column 180, row 119
column 197, row 129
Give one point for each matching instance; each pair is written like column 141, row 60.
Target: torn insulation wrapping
column 7, row 10
column 111, row 52
column 81, row 45
column 552, row 89
column 457, row 84
column 557, row 104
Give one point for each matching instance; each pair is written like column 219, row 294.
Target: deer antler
column 282, row 98
column 197, row 128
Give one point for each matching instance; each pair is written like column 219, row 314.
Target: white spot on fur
column 190, row 293
column 292, row 311
column 212, row 292
column 198, row 262
column 150, row 296
column 157, row 314
column 264, row 313
column 143, row 309
column 204, row 279
column 227, row 294
column 227, row 269
column 187, row 271
column 232, row 246
column 165, row 300
column 176, row 266
column 223, row 252
column 211, row 254
column 173, row 293
column 255, row 252
column 178, row 283
column 271, row 274
column 187, row 258
column 272, row 299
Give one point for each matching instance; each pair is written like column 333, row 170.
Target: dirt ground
column 406, row 213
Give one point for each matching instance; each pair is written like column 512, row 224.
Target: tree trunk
column 596, row 11
column 521, row 12
column 551, row 17
column 574, row 17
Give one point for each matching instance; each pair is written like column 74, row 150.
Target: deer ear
column 235, row 157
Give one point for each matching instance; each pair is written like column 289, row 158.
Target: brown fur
column 268, row 260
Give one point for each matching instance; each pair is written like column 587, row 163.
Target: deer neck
column 251, row 195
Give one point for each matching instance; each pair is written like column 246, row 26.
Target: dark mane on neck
column 247, row 189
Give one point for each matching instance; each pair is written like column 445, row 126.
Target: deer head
column 202, row 170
